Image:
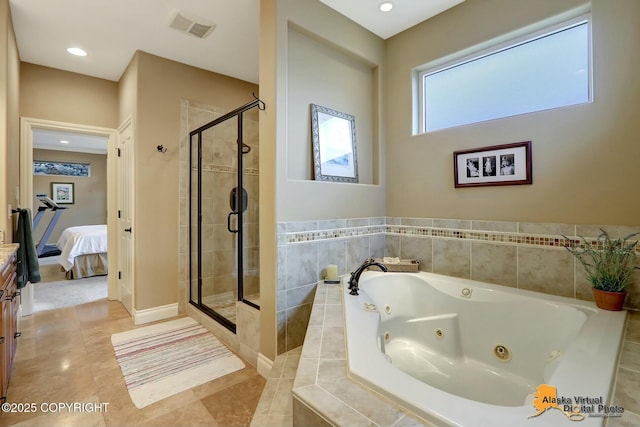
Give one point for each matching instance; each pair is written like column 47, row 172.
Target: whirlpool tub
column 462, row 352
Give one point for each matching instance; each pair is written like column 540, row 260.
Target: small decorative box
column 399, row 265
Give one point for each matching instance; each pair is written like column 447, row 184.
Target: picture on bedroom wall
column 62, row 193
column 508, row 164
column 41, row 167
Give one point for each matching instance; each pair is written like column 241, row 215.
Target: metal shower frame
column 238, row 112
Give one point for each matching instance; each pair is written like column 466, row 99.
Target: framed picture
column 333, row 135
column 62, row 193
column 507, row 164
column 44, row 167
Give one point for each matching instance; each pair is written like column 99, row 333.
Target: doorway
column 31, row 127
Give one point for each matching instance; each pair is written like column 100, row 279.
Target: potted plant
column 609, row 266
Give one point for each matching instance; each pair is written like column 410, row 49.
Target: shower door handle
column 229, row 222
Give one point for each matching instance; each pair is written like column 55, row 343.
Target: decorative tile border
column 514, row 238
column 226, row 169
column 338, row 233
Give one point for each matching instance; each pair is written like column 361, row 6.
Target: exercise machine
column 42, row 249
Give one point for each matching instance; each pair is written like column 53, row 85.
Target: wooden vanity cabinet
column 10, row 297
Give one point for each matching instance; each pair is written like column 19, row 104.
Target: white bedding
column 81, row 240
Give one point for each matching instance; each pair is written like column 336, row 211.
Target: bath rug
column 161, row 360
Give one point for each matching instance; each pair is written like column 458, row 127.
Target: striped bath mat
column 161, row 360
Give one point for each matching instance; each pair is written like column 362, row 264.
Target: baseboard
column 156, row 313
column 264, row 365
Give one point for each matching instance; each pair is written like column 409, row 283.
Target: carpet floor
column 66, row 293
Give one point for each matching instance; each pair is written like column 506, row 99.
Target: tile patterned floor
column 65, row 355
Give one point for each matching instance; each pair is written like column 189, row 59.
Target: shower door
column 224, row 217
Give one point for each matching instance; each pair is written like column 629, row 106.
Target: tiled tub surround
column 522, row 255
column 304, row 251
column 323, row 395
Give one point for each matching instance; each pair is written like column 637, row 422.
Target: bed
column 83, row 251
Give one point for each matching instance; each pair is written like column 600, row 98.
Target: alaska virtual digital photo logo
column 575, row 408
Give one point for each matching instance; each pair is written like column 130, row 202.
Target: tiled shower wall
column 522, row 255
column 219, row 174
column 218, row 178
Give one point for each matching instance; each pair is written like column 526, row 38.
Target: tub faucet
column 355, row 276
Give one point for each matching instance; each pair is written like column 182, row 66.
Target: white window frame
column 496, row 45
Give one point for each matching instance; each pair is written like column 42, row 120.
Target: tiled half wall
column 522, row 255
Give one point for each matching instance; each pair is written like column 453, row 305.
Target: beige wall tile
column 628, row 419
column 452, row 223
column 334, row 408
column 297, row 321
column 546, row 270
column 452, row 257
column 417, row 247
column 505, row 226
column 417, row 222
column 333, row 251
column 546, row 228
column 627, row 386
column 494, row 263
column 583, row 286
column 633, row 297
column 614, row 231
column 633, row 331
column 307, row 372
column 305, row 416
column 630, row 358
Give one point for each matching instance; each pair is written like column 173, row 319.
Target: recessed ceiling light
column 76, row 51
column 385, row 6
column 64, row 142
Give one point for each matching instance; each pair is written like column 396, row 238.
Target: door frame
column 27, row 125
column 117, row 232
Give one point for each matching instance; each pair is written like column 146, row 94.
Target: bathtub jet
column 465, row 353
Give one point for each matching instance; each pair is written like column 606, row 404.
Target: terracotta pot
column 606, row 300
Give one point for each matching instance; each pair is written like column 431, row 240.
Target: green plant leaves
column 608, row 263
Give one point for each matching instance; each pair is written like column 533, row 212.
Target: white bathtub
column 467, row 353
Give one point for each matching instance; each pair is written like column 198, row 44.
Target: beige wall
column 288, row 86
column 324, row 58
column 322, row 74
column 584, row 157
column 160, row 85
column 9, row 119
column 51, row 94
column 269, row 84
column 90, row 193
column 128, row 92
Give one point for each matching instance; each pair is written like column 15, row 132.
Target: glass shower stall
column 223, row 214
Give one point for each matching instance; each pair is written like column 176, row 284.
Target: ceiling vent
column 197, row 27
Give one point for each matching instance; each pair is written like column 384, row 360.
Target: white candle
column 332, row 272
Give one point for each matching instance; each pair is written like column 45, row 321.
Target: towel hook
column 261, row 105
column 161, row 149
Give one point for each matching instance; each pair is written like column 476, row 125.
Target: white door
column 125, row 214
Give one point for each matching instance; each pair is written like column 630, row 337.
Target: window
column 547, row 69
